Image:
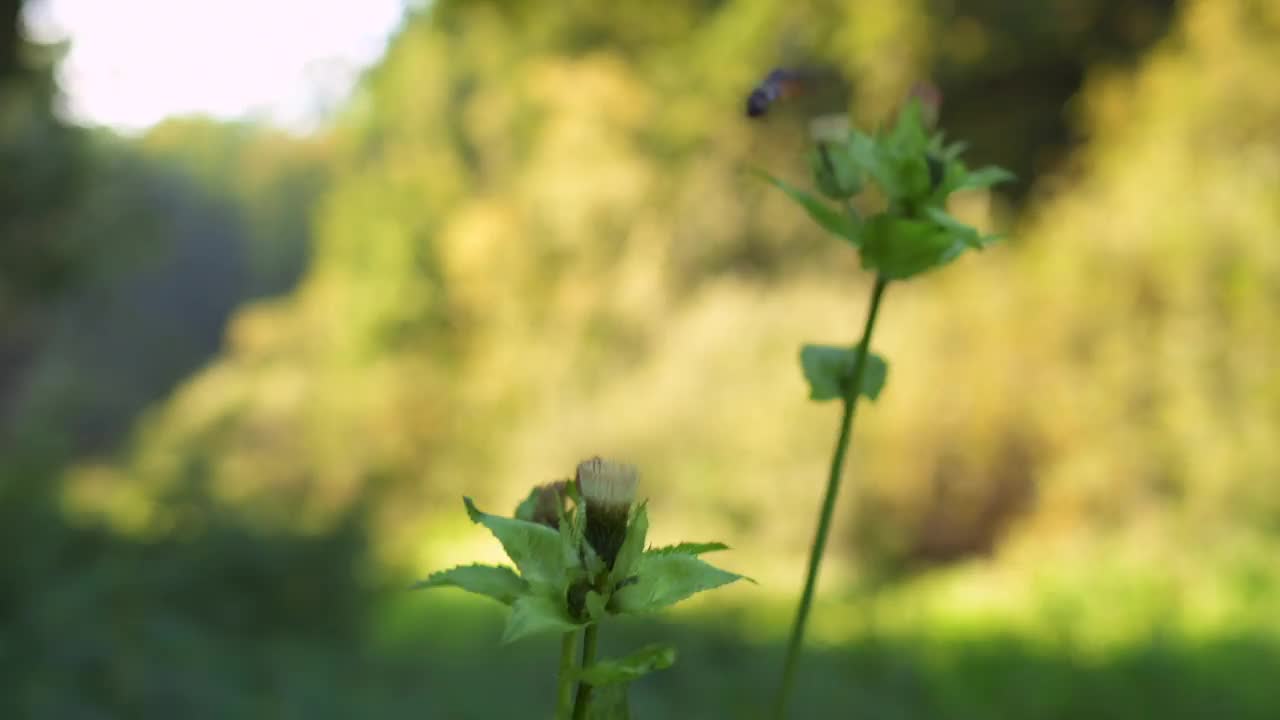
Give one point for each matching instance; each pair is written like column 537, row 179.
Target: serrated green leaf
column 827, row 369
column 500, row 583
column 536, row 549
column 832, row 220
column 663, row 580
column 688, row 548
column 630, row 668
column 632, row 546
column 986, row 177
column 536, row 614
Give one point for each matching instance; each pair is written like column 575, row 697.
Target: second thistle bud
column 608, row 489
column 833, row 172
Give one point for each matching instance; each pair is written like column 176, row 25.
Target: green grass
column 452, row 650
column 236, row 621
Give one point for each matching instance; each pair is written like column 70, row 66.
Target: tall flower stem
column 588, row 659
column 852, row 391
column 564, row 690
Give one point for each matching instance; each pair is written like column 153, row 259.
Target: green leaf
column 954, row 150
column 909, row 137
column 630, row 668
column 834, row 221
column 688, row 548
column 954, row 176
column 632, row 546
column 664, row 580
column 500, row 583
column 536, row 549
column 964, row 233
column 828, row 368
column 946, row 151
column 536, row 614
column 899, row 248
column 986, row 177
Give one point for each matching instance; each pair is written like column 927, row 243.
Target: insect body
column 779, row 84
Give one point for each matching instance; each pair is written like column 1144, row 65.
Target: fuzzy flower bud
column 609, row 489
column 550, row 503
column 544, row 505
column 930, row 99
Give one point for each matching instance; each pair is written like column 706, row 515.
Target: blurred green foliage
column 528, row 240
column 123, row 261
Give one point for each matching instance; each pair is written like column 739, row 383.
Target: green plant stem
column 564, row 691
column 588, row 659
column 851, row 395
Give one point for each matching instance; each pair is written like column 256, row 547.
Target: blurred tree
column 273, row 180
column 41, row 166
column 1011, row 71
column 538, row 246
column 108, row 246
column 10, row 36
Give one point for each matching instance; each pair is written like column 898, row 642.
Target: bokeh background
column 247, row 371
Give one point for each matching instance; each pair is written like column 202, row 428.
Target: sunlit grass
column 1098, row 639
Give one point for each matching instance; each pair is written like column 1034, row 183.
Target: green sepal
column 632, row 546
column 494, row 581
column 595, row 606
column 834, row 170
column 828, row 369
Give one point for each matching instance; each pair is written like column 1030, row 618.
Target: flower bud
column 608, row 489
column 544, row 505
column 930, row 99
column 833, row 171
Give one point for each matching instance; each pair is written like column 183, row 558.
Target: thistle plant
column 909, row 233
column 578, row 547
